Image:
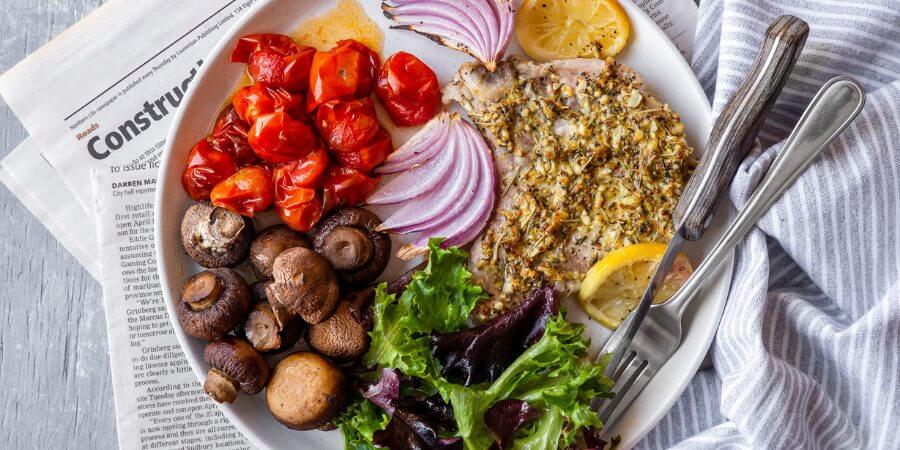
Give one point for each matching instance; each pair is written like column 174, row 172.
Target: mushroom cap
column 215, row 237
column 220, row 316
column 366, row 222
column 344, row 336
column 236, row 358
column 270, row 243
column 306, row 391
column 305, row 285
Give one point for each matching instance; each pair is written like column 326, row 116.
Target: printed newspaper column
column 159, row 402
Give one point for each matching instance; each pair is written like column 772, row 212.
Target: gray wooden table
column 55, row 385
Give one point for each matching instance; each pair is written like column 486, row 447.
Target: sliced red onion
column 423, row 146
column 466, row 227
column 443, row 202
column 481, row 28
column 418, row 180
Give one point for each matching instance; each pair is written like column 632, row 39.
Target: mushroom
column 305, row 285
column 269, row 244
column 349, row 240
column 213, row 303
column 345, row 335
column 235, row 364
column 269, row 329
column 306, row 391
column 215, row 237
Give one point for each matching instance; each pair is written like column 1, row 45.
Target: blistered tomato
column 248, row 192
column 256, row 100
column 276, row 60
column 302, row 217
column 345, row 72
column 347, row 125
column 279, row 138
column 206, row 167
column 408, row 89
column 346, row 186
column 306, row 172
column 367, row 157
column 230, row 135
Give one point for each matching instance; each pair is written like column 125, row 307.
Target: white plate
column 649, row 51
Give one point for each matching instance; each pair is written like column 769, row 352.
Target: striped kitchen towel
column 808, row 352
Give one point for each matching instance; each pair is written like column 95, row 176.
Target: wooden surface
column 54, row 369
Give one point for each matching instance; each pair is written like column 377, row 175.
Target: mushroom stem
column 202, row 290
column 348, row 248
column 220, row 386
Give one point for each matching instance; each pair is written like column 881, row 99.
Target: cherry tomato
column 256, row 100
column 206, row 167
column 275, row 60
column 278, row 138
column 369, row 156
column 250, row 44
column 347, row 126
column 302, row 217
column 346, row 186
column 248, row 192
column 306, row 172
column 289, row 72
column 345, row 72
column 408, row 89
column 230, row 135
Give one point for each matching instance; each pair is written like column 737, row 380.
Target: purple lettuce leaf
column 481, row 354
column 385, row 393
column 410, row 430
column 505, row 417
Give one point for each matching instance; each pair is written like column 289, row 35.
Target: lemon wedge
column 557, row 29
column 613, row 287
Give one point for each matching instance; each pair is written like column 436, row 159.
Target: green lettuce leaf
column 359, row 422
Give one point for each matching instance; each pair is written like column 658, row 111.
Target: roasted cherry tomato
column 347, row 126
column 256, row 100
column 275, row 60
column 306, row 172
column 346, row 186
column 230, row 135
column 302, row 217
column 345, row 72
column 206, row 167
column 369, row 156
column 408, row 89
column 248, row 192
column 279, row 138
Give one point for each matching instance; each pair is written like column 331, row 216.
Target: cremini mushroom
column 304, row 285
column 269, row 329
column 235, row 364
column 212, row 303
column 348, row 238
column 345, row 335
column 270, row 243
column 215, row 237
column 306, row 391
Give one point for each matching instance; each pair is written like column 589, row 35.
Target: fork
column 832, row 109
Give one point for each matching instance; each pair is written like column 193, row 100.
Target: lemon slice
column 613, row 287
column 557, row 29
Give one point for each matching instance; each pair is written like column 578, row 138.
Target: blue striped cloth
column 808, row 352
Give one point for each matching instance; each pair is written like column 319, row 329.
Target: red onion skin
column 410, row 12
column 415, row 182
column 418, row 149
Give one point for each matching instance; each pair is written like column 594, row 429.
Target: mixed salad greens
column 521, row 381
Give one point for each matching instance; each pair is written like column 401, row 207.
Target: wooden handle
column 737, row 126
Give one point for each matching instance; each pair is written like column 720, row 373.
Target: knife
column 732, row 137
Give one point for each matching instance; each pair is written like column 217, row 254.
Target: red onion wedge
column 481, row 28
column 422, row 147
column 419, row 179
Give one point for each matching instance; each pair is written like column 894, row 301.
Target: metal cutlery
column 732, row 136
column 831, row 110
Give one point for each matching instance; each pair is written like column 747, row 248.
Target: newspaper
column 97, row 102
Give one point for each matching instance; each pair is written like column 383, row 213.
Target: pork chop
column 589, row 162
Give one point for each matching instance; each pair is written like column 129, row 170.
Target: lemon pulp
column 554, row 29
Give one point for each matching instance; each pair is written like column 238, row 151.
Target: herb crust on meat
column 590, row 162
